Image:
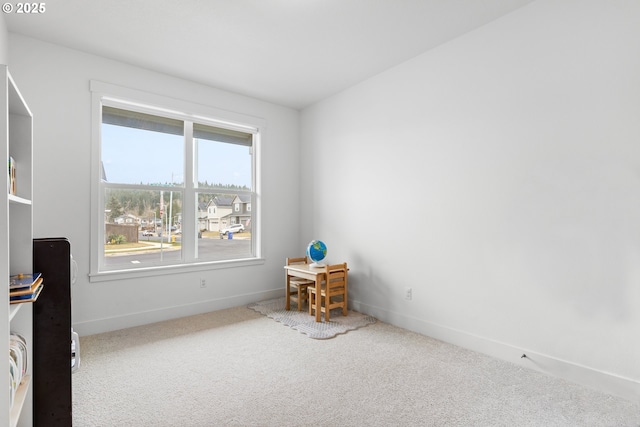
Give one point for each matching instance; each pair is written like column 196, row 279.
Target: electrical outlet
column 408, row 294
column 203, row 283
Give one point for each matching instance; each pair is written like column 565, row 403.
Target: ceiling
column 289, row 52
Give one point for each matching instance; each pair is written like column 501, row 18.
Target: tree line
column 146, row 203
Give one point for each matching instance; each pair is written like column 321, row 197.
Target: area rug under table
column 306, row 324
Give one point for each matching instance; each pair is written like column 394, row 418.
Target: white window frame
column 108, row 94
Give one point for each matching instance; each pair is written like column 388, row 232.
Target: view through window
column 174, row 190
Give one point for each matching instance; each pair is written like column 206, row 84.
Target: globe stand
column 316, row 265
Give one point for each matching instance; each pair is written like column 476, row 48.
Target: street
column 209, row 249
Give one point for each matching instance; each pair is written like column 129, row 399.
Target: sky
column 134, row 156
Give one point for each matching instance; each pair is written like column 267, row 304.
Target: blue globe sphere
column 316, row 252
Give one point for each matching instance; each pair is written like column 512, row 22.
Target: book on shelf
column 26, row 290
column 25, row 287
column 12, row 176
column 18, row 361
column 21, row 281
column 26, row 297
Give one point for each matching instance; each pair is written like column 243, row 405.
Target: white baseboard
column 595, row 379
column 114, row 323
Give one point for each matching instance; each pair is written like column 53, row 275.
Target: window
column 165, row 189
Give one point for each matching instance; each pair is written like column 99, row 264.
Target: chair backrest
column 336, row 276
column 298, row 260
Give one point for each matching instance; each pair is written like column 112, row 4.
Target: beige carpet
column 236, row 367
column 302, row 322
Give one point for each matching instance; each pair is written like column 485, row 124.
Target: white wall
column 4, row 36
column 55, row 84
column 511, row 158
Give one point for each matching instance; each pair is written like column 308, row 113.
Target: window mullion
column 189, row 207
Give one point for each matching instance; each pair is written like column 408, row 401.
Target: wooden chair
column 297, row 285
column 332, row 293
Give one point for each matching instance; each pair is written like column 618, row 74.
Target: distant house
column 127, row 219
column 241, row 213
column 214, row 215
column 203, row 215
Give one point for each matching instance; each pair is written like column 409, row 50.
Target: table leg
column 318, row 299
column 287, row 295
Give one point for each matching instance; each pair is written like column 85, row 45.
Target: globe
column 316, row 251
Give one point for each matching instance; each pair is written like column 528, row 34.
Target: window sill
column 105, row 276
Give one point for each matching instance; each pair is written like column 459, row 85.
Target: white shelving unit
column 16, row 240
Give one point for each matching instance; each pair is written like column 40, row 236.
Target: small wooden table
column 304, row 271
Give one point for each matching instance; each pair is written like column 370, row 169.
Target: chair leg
column 327, row 304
